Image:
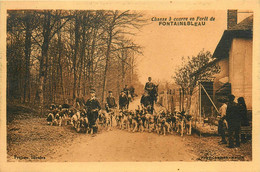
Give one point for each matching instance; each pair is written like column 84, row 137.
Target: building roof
column 246, row 24
column 241, row 30
column 244, row 29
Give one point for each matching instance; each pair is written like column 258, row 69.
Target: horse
column 151, row 97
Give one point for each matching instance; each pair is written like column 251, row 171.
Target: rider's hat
column 110, row 91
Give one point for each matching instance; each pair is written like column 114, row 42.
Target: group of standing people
column 232, row 116
column 124, row 99
column 93, row 106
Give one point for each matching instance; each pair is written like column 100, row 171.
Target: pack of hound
column 62, row 115
column 139, row 120
column 162, row 123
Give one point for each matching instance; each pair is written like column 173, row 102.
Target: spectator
column 233, row 118
column 243, row 112
column 222, row 124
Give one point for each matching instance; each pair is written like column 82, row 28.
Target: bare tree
column 117, row 24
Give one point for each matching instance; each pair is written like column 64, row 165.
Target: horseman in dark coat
column 93, row 107
column 151, row 88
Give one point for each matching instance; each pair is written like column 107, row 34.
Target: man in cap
column 111, row 102
column 222, row 126
column 93, row 107
column 123, row 101
column 233, row 118
column 111, row 105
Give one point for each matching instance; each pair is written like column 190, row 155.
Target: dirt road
column 118, row 145
column 121, row 145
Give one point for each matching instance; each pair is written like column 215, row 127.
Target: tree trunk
column 77, row 36
column 106, row 66
column 27, row 53
column 92, row 57
column 44, row 58
column 59, row 66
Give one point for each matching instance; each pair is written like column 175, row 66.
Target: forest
column 56, row 56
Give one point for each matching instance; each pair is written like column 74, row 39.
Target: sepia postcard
column 129, row 86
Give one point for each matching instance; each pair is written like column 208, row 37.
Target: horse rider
column 150, row 88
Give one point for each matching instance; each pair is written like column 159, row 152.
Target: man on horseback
column 151, row 88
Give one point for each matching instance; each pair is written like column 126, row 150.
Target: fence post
column 200, row 103
column 180, row 99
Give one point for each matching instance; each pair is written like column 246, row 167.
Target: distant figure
column 233, row 118
column 123, row 101
column 132, row 92
column 93, row 108
column 111, row 102
column 126, row 90
column 222, row 126
column 243, row 112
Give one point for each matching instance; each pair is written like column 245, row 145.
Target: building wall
column 240, row 69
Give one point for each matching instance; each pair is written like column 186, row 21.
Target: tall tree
column 119, row 24
column 184, row 75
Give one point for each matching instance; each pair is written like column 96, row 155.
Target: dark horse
column 150, row 97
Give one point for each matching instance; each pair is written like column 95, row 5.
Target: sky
column 164, row 46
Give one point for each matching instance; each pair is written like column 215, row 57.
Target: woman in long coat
column 244, row 117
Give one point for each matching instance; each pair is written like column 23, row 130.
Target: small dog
column 75, row 118
column 51, row 115
column 180, row 125
column 137, row 122
column 124, row 120
column 188, row 126
column 50, row 119
column 104, row 119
